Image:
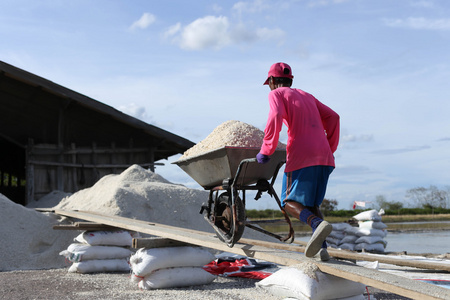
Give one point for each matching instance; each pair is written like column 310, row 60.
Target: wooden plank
column 43, row 209
column 343, row 254
column 157, row 242
column 92, row 226
column 384, row 281
column 86, row 226
column 88, row 166
column 65, row 227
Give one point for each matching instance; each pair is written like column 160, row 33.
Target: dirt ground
column 58, row 284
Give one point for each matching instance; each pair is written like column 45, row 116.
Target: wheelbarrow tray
column 209, row 169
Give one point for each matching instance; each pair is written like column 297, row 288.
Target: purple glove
column 262, row 158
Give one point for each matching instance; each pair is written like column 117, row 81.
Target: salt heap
column 141, row 194
column 28, row 239
column 230, row 133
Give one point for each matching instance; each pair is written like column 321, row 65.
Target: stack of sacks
column 371, row 231
column 100, row 251
column 368, row 236
column 349, row 240
column 306, row 281
column 170, row 267
column 337, row 234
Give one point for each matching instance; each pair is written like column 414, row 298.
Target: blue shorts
column 306, row 186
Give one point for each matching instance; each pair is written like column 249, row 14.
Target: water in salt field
column 437, row 242
column 421, row 241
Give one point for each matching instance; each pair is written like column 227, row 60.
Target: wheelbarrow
column 227, row 173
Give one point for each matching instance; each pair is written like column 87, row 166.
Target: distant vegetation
column 342, row 213
column 428, row 201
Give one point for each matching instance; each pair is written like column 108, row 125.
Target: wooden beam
column 89, row 166
column 156, row 242
column 29, row 178
column 381, row 280
column 344, row 254
column 86, row 226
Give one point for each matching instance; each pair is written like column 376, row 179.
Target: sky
column 189, row 66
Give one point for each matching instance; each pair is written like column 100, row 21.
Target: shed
column 53, row 138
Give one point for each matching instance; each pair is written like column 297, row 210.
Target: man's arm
column 331, row 124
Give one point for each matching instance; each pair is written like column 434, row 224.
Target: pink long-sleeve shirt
column 313, row 129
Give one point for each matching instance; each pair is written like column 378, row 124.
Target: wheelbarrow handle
column 249, row 160
column 241, row 164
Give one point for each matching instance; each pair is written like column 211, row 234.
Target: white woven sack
column 349, row 239
column 332, row 241
column 372, row 231
column 351, row 230
column 370, row 247
column 80, row 252
column 372, row 224
column 370, row 239
column 100, row 266
column 296, row 283
column 347, row 246
column 108, row 238
column 368, row 215
column 357, row 297
column 340, row 226
column 145, row 261
column 176, row 277
column 337, row 234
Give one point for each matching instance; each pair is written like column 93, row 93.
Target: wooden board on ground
column 86, row 226
column 157, row 242
column 343, row 254
column 384, row 281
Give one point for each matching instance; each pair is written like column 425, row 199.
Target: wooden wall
column 72, row 168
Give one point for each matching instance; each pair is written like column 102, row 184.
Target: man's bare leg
column 321, row 229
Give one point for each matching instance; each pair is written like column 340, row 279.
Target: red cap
column 279, row 70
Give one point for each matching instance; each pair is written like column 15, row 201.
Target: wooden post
column 94, row 161
column 152, row 158
column 130, row 157
column 29, row 194
column 113, row 157
column 59, row 169
column 74, row 170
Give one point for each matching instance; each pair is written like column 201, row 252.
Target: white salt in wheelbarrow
column 228, row 172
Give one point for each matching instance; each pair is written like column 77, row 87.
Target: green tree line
column 431, row 200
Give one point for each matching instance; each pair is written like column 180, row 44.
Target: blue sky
column 188, row 66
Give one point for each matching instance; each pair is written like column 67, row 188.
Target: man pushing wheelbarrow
column 313, row 137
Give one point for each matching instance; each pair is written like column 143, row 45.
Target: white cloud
column 270, row 34
column 423, row 4
column 350, row 138
column 207, row 32
column 251, row 7
column 401, row 150
column 212, row 32
column 134, row 110
column 173, row 30
column 216, row 8
column 313, row 3
column 146, row 20
column 419, row 23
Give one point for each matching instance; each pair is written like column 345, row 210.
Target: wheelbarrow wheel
column 225, row 221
